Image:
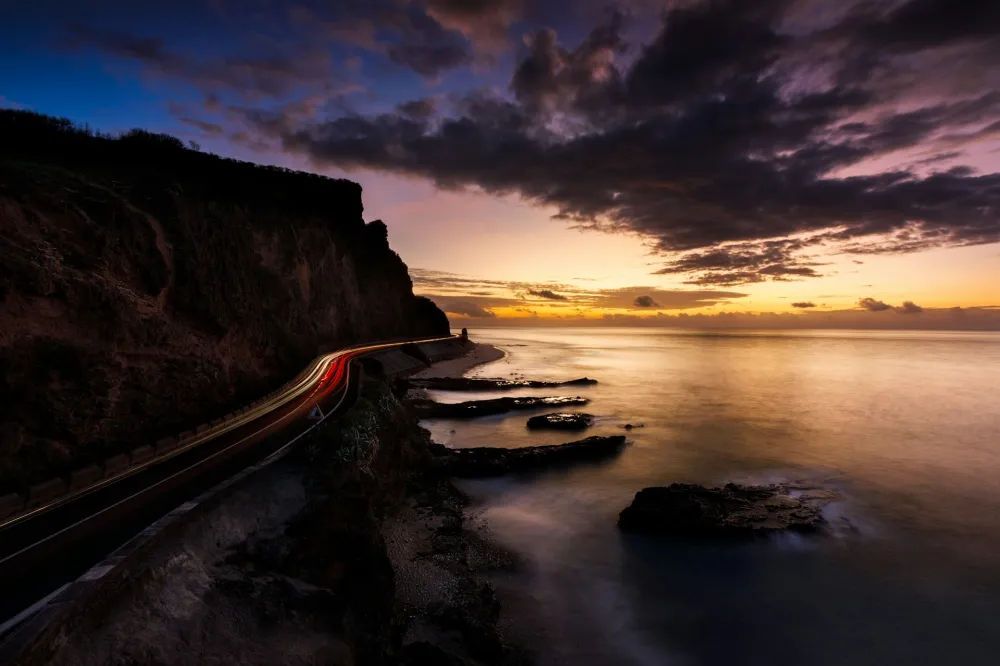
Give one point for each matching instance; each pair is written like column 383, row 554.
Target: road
column 54, row 543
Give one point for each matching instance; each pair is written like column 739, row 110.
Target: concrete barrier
column 141, row 454
column 187, row 434
column 214, row 422
column 395, row 363
column 201, row 428
column 86, row 476
column 443, row 349
column 115, row 464
column 45, row 492
column 166, row 444
column 10, row 504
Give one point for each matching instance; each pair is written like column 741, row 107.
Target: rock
column 732, row 512
column 429, row 409
column 482, row 384
column 561, row 421
column 494, row 461
column 630, row 426
column 148, row 247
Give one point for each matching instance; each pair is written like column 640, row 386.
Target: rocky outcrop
column 484, row 384
column 561, row 421
column 429, row 409
column 145, row 287
column 690, row 511
column 351, row 551
column 493, row 461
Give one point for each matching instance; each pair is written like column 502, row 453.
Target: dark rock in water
column 561, row 421
column 732, row 512
column 429, row 409
column 493, row 461
column 482, row 384
column 630, row 426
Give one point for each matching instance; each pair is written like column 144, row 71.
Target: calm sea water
column 904, row 426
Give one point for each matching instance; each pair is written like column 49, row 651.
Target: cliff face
column 145, row 287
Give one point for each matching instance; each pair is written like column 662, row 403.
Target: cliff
column 145, row 287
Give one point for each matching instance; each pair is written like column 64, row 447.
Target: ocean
column 904, row 427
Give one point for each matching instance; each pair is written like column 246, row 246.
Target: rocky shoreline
column 356, row 550
column 353, row 550
column 429, row 409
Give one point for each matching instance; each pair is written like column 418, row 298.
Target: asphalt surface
column 55, row 543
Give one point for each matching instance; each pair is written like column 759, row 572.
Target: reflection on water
column 905, row 426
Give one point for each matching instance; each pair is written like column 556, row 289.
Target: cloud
column 485, row 23
column 447, row 287
column 426, row 46
column 276, row 71
column 462, row 307
column 742, row 140
column 909, row 307
column 419, row 108
column 873, row 305
column 732, row 126
column 206, row 127
column 547, row 293
column 645, row 301
column 804, row 304
column 969, row 319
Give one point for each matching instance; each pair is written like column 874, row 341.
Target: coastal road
column 52, row 544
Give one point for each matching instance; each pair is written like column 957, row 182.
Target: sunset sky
column 831, row 162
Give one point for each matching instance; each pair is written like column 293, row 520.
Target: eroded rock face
column 166, row 286
column 495, row 461
column 690, row 511
column 561, row 421
column 484, row 384
column 429, row 409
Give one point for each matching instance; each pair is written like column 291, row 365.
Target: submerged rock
column 483, row 384
column 732, row 512
column 494, row 461
column 561, row 421
column 428, row 409
column 630, row 426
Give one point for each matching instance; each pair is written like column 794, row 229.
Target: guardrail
column 394, row 361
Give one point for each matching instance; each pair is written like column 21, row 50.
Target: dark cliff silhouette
column 145, row 286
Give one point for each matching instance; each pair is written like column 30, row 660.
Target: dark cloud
column 727, row 128
column 909, row 307
column 667, row 299
column 547, row 293
column 212, row 129
column 427, row 47
column 444, row 287
column 645, row 302
column 277, row 71
column 461, row 307
column 429, row 59
column 804, row 304
column 486, row 23
column 551, row 77
column 873, row 305
column 740, row 138
column 743, row 263
column 419, row 108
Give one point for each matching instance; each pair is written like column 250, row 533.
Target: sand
column 457, row 367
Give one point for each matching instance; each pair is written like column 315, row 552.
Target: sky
column 785, row 163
